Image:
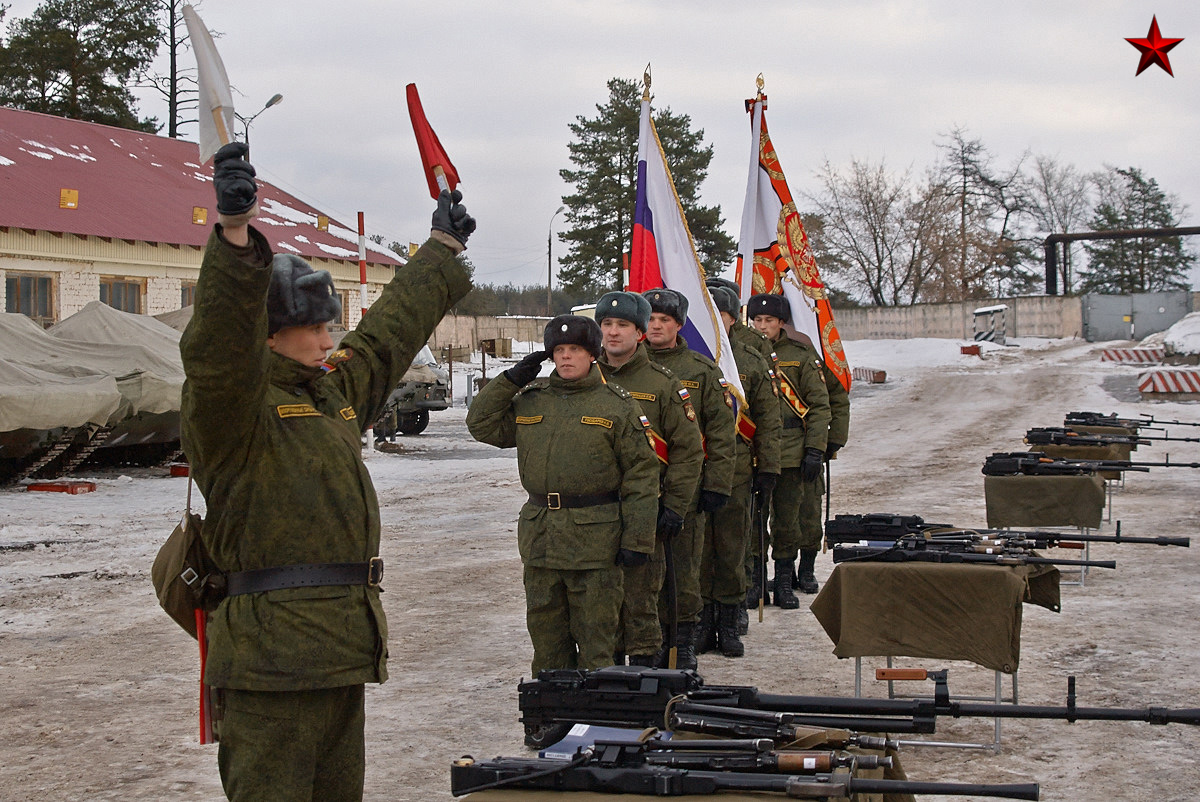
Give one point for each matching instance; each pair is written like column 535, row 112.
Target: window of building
column 187, row 293
column 31, row 294
column 123, row 294
column 344, row 323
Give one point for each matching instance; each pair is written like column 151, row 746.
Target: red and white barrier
column 1166, row 380
column 868, row 375
column 1139, row 356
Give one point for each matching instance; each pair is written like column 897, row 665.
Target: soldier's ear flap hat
column 299, row 295
column 668, row 302
column 725, row 299
column 716, row 281
column 626, row 306
column 769, row 304
column 572, row 330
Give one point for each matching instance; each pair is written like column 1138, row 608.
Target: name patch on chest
column 297, row 411
column 644, row 396
column 789, row 364
column 693, row 385
column 605, row 422
column 529, row 419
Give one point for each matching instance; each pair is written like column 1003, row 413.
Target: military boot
column 784, row 597
column 754, row 592
column 808, row 579
column 728, row 640
column 685, row 644
column 706, row 629
column 743, row 619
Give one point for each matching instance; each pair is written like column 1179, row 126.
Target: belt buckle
column 553, row 501
column 374, row 572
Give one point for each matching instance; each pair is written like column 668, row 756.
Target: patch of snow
column 201, row 177
column 289, row 246
column 133, row 155
column 50, row 148
column 6, row 162
column 39, row 154
column 302, row 238
column 273, row 206
column 1184, row 336
column 272, row 222
column 155, row 164
column 190, row 164
column 333, row 250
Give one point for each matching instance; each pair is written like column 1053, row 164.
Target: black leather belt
column 562, row 501
column 306, row 575
column 793, row 423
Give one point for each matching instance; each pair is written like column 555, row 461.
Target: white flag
column 216, row 101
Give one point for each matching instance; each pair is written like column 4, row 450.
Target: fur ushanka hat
column 572, row 330
column 299, row 295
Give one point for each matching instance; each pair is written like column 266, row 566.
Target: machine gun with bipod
column 1036, row 463
column 880, row 530
column 1111, row 419
column 635, row 697
column 1066, row 436
column 961, row 550
column 673, row 768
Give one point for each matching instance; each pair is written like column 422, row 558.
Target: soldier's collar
column 592, row 379
column 287, row 372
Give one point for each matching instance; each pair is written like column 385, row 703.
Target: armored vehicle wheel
column 414, row 422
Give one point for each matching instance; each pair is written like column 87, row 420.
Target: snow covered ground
column 98, row 686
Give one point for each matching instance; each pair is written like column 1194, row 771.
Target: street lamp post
column 275, row 99
column 550, row 264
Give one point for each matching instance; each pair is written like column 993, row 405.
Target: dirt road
column 97, row 686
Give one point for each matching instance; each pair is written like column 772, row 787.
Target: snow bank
column 1184, row 336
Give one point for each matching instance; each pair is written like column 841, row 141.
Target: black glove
column 711, row 501
column 631, row 559
column 810, row 467
column 831, row 450
column 527, row 369
column 764, row 483
column 233, row 180
column 451, row 217
column 670, row 523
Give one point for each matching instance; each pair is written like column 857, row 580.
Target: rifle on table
column 635, row 697
column 632, row 768
column 1064, row 436
column 910, row 549
column 881, row 529
column 1111, row 419
column 1036, row 463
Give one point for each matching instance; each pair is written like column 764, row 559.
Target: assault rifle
column 635, row 697
column 1111, row 419
column 1036, row 463
column 637, row 768
column 916, row 549
column 881, row 529
column 1064, row 436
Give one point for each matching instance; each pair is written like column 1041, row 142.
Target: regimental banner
column 774, row 254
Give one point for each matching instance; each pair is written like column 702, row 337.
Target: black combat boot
column 755, row 590
column 784, row 597
column 685, row 644
column 808, row 579
column 730, row 643
column 743, row 619
column 706, row 630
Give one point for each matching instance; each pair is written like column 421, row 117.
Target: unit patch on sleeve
column 336, row 358
column 347, row 413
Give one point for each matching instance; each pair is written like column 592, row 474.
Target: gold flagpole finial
column 760, row 83
column 646, row 83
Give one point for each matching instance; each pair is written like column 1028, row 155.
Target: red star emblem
column 1154, row 49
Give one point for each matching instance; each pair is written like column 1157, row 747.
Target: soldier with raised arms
column 624, row 318
column 592, row 479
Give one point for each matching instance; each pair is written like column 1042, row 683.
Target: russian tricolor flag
column 663, row 254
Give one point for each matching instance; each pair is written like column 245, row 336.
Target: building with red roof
column 91, row 212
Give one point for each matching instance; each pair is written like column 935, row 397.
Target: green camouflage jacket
column 274, row 447
column 577, row 437
column 802, row 367
column 763, row 410
column 756, row 340
column 701, row 377
column 671, row 418
column 839, row 407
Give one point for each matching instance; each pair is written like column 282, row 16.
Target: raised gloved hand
column 631, row 559
column 711, row 500
column 451, row 218
column 527, row 369
column 233, row 181
column 831, row 450
column 810, row 466
column 764, row 483
column 670, row 523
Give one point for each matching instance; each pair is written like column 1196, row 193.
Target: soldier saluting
column 804, row 408
column 592, row 480
column 624, row 318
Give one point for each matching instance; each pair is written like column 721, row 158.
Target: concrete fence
column 469, row 330
column 1043, row 316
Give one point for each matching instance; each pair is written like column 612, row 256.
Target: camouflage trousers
column 572, row 616
column 688, row 548
column 795, row 515
column 292, row 746
column 726, row 541
column 639, row 633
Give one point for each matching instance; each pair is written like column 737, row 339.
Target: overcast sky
column 501, row 81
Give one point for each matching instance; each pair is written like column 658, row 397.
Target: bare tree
column 1060, row 202
column 177, row 85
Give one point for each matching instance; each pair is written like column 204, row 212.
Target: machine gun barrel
column 929, row 552
column 1036, row 463
column 1111, row 419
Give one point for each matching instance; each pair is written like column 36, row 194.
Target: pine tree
column 600, row 211
column 1126, row 199
column 78, row 59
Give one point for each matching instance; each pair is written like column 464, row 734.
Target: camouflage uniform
column 274, row 447
column 839, row 408
column 701, row 377
column 728, row 535
column 580, row 437
column 752, row 338
column 673, row 419
column 790, row 530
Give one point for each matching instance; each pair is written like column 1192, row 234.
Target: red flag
column 432, row 153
